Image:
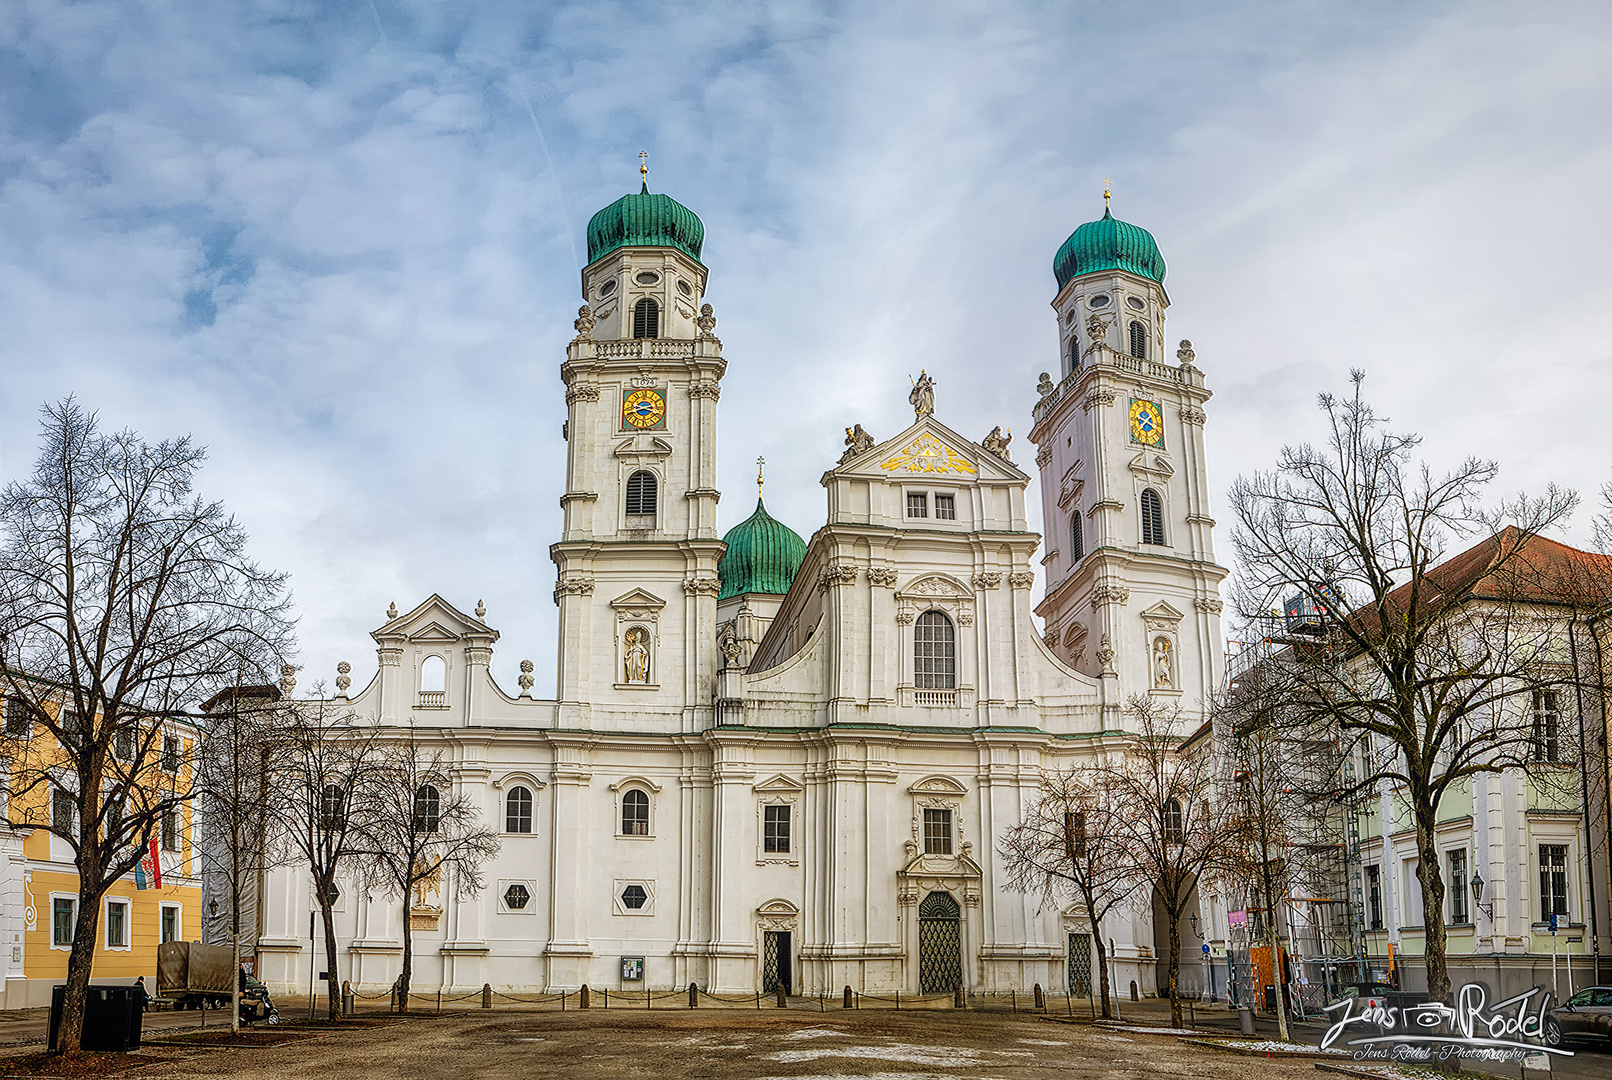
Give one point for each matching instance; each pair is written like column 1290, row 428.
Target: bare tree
column 125, row 600
column 1070, row 843
column 1603, row 522
column 1168, row 816
column 422, row 835
column 1433, row 668
column 242, row 756
column 322, row 803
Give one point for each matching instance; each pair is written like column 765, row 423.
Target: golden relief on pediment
column 927, row 454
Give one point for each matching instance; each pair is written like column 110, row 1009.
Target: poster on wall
column 632, row 969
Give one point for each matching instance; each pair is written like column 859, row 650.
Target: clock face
column 643, row 409
column 1147, row 423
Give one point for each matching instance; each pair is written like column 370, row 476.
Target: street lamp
column 1194, row 919
column 1477, row 895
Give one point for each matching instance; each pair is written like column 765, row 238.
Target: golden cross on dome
column 643, row 167
column 1105, row 192
column 761, row 464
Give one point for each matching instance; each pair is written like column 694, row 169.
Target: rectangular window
column 170, row 923
column 1458, row 887
column 1074, row 834
column 775, row 829
column 170, row 830
column 123, row 744
column 63, row 914
column 117, row 924
column 170, row 753
column 1374, row 897
column 62, row 814
column 946, row 507
column 19, row 715
column 1553, row 882
column 1547, row 727
column 68, row 720
column 937, row 832
column 918, row 504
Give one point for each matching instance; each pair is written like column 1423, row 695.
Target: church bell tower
column 1132, row 587
column 637, row 566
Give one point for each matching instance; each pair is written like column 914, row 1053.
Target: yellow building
column 39, row 893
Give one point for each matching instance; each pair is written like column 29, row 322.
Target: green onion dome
column 645, row 220
column 1107, row 244
column 762, row 557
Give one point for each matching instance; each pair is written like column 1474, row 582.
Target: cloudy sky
column 338, row 240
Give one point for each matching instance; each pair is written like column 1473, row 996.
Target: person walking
column 141, row 998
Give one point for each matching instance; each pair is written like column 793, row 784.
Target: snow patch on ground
column 880, row 1076
column 1154, row 1030
column 1112, row 1038
column 1046, row 1042
column 912, row 1054
column 817, row 1033
column 1270, row 1046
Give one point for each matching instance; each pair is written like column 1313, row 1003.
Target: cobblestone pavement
column 729, row 1044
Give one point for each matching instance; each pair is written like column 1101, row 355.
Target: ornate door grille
column 940, row 944
column 1079, row 965
column 774, row 962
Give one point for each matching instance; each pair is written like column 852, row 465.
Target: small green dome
column 762, row 557
column 645, row 220
column 1108, row 244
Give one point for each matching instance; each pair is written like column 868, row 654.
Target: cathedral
column 782, row 762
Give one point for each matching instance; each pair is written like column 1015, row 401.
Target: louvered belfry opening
column 641, row 489
column 1152, row 517
column 646, row 319
column 1138, row 340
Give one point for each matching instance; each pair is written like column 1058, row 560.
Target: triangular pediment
column 640, row 446
column 1154, row 466
column 779, row 784
column 929, row 449
column 638, row 598
column 435, row 620
column 1162, row 616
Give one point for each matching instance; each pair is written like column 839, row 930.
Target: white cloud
column 338, row 253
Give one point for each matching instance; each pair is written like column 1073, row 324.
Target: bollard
column 847, row 1004
column 957, row 996
column 486, row 995
column 693, row 995
column 1040, row 998
column 1014, row 996
column 346, row 997
column 780, row 995
column 898, row 1001
column 562, row 1000
column 1135, row 996
column 584, row 997
column 1245, row 1020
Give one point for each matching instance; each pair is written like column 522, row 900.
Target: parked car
column 1585, row 1015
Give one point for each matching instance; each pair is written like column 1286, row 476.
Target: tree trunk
column 1278, row 970
column 332, row 982
column 235, row 942
column 1432, row 881
column 70, row 1035
column 1176, row 1019
column 1102, row 966
column 408, row 958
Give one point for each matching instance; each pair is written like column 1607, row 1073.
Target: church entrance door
column 775, row 962
column 1079, row 965
column 940, row 944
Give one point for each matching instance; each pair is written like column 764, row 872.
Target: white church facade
column 782, row 761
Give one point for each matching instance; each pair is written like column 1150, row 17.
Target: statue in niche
column 923, row 395
column 997, row 443
column 637, row 642
column 858, row 441
column 1163, row 665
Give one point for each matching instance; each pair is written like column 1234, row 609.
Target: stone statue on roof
column 923, row 395
column 857, row 442
column 997, row 443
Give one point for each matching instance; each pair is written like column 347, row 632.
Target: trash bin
column 111, row 1018
column 1245, row 1020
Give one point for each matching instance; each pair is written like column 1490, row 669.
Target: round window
column 1098, row 301
column 516, row 897
column 634, row 897
column 607, row 288
column 1136, row 303
column 646, row 277
column 683, row 287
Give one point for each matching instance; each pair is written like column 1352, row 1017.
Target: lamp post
column 1477, row 896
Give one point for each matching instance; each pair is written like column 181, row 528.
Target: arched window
column 1074, row 355
column 646, row 318
column 1170, row 821
column 427, row 809
column 518, row 810
column 635, row 813
column 1152, row 517
column 934, row 652
column 332, row 808
column 1077, row 539
column 433, row 675
column 641, row 491
column 1138, row 340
